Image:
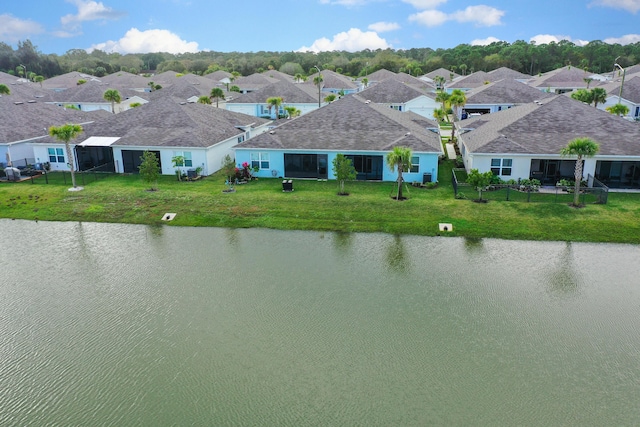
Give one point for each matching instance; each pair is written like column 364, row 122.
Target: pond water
column 112, row 324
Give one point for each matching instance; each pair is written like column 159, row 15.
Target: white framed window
column 415, row 165
column 501, row 166
column 56, row 155
column 260, row 160
column 186, row 157
column 240, row 139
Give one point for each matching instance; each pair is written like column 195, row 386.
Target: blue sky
column 176, row 26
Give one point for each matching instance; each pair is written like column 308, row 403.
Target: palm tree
column 4, row 90
column 581, row 147
column 618, row 109
column 204, row 99
column 217, row 94
column 299, row 78
column 598, row 96
column 399, row 159
column 38, row 79
column 443, row 98
column 317, row 80
column 292, row 111
column 113, row 96
column 463, row 68
column 457, row 99
column 438, row 114
column 365, row 82
column 439, row 81
column 66, row 133
column 275, row 102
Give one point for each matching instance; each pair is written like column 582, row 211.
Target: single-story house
column 499, row 96
column 525, row 142
column 394, row 94
column 201, row 134
column 293, row 95
column 363, row 131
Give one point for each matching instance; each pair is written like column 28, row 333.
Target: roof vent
column 368, row 101
column 407, row 134
column 32, row 101
column 18, row 103
column 271, row 132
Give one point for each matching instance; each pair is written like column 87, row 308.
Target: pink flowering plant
column 246, row 172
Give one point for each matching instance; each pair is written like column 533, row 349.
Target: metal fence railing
column 595, row 192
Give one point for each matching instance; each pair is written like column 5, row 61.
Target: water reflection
column 562, row 277
column 473, row 245
column 396, row 256
column 156, row 230
column 342, row 242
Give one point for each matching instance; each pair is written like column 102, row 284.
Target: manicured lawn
column 314, row 205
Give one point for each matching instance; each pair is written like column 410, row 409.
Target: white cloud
column 382, row 27
column 485, row 16
column 632, row 6
column 353, row 40
column 481, row 15
column 429, row 18
column 136, row 41
column 13, row 29
column 425, row 4
column 624, row 40
column 484, row 42
column 548, row 38
column 89, row 11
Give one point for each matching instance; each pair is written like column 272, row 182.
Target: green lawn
column 315, row 206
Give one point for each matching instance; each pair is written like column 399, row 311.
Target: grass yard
column 314, row 205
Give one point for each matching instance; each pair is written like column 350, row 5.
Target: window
column 415, row 165
column 240, row 139
column 501, row 166
column 186, row 156
column 56, row 155
column 260, row 160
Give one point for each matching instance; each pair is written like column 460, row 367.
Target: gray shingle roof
column 218, row 75
column 350, row 124
column 547, row 127
column 473, row 80
column 166, row 123
column 288, row 91
column 32, row 119
column 333, row 80
column 507, row 91
column 443, row 72
column 391, row 91
column 507, row 73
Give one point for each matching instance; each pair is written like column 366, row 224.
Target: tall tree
column 217, row 93
column 580, row 147
column 113, row 96
column 275, row 102
column 66, row 133
column 204, row 99
column 343, row 170
column 398, row 160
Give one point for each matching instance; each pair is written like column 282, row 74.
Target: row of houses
column 519, row 134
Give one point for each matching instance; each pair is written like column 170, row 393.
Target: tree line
column 526, row 57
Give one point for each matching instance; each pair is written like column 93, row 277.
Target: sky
column 179, row 26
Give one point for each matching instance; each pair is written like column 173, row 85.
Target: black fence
column 597, row 192
column 42, row 176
